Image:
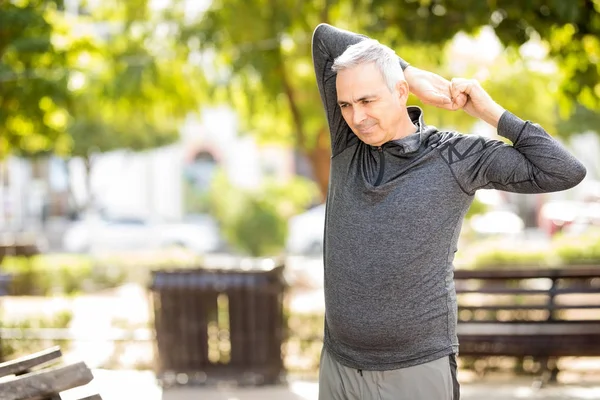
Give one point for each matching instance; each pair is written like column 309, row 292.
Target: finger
column 459, row 101
column 455, row 90
column 461, row 85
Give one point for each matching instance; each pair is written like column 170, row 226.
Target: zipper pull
column 380, row 149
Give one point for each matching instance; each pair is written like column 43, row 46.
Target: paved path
column 128, row 385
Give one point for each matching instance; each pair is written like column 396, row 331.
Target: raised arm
column 535, row 163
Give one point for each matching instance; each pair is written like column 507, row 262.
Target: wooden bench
column 26, row 379
column 542, row 313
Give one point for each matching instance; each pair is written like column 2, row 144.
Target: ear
column 402, row 90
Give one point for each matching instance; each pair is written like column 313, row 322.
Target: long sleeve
column 328, row 43
column 535, row 163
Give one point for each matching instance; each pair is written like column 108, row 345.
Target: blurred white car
column 499, row 222
column 101, row 234
column 306, row 231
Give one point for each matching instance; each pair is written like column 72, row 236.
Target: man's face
column 368, row 107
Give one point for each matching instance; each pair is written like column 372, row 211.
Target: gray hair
column 367, row 51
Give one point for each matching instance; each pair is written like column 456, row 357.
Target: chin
column 370, row 140
column 373, row 142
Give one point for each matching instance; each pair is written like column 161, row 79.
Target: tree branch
column 296, row 114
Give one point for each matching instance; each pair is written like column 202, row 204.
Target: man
column 399, row 190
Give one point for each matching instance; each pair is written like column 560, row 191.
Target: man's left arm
column 535, row 163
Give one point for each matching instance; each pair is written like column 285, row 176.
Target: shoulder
column 455, row 146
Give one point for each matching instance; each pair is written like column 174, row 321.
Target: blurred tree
column 35, row 100
column 112, row 77
column 138, row 86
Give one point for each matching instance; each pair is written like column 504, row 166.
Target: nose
column 359, row 115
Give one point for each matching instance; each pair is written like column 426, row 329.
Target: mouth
column 365, row 130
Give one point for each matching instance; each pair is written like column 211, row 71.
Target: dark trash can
column 215, row 325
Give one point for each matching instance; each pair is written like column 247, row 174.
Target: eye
column 344, row 105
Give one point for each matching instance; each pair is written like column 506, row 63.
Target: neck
column 406, row 128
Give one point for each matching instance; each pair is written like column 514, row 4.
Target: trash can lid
column 207, row 279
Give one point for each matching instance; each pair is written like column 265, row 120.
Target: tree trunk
column 78, row 207
column 89, row 202
column 74, row 206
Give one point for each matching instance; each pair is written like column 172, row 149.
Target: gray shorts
column 435, row 380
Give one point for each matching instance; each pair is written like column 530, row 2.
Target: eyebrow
column 363, row 98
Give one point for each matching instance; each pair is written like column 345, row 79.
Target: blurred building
column 150, row 183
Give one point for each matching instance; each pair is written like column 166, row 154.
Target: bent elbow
column 319, row 30
column 576, row 174
column 579, row 173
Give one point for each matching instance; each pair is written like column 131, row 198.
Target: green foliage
column 47, row 274
column 511, row 257
column 563, row 250
column 139, row 87
column 124, row 83
column 581, row 249
column 34, row 95
column 13, row 348
column 255, row 222
column 53, row 274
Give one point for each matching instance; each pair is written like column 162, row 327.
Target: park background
column 144, row 135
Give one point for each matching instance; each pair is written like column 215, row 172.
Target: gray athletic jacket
column 393, row 218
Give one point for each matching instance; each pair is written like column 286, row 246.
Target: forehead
column 358, row 80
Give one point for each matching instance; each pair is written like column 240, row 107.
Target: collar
column 412, row 142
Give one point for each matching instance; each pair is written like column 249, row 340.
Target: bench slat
column 531, row 328
column 45, row 383
column 24, row 364
column 527, row 273
column 511, row 291
column 531, row 307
